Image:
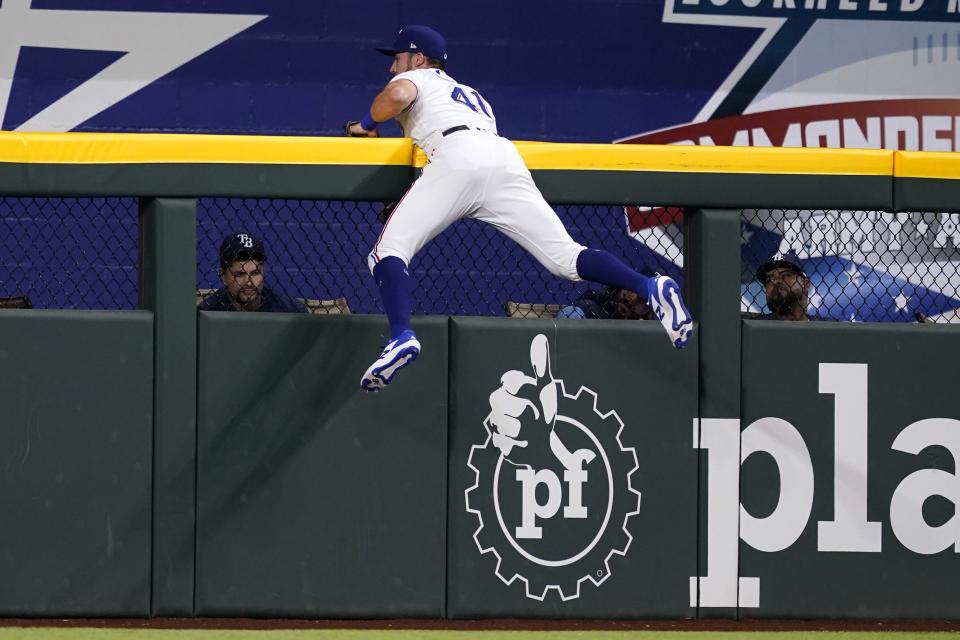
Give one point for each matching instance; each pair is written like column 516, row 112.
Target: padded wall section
column 76, row 444
column 333, row 182
column 730, row 190
column 927, row 194
column 316, row 499
column 550, row 523
column 861, row 518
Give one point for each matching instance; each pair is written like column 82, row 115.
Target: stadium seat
column 531, row 310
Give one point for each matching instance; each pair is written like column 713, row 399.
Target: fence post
column 168, row 241
column 712, row 261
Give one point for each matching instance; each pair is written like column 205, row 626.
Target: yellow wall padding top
column 133, row 148
column 702, row 159
column 927, row 164
column 697, row 159
column 111, row 148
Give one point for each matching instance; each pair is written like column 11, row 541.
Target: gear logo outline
column 492, row 536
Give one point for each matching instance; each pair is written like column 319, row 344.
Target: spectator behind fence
column 787, row 287
column 611, row 303
column 243, row 273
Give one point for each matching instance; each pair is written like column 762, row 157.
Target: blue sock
column 599, row 266
column 396, row 288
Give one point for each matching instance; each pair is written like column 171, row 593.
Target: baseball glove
column 351, row 134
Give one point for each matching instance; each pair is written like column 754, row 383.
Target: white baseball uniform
column 472, row 173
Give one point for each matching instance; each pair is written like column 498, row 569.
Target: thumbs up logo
column 553, row 492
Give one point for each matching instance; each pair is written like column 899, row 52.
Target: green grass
column 48, row 633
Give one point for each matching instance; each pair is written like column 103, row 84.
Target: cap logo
column 245, row 240
column 413, row 46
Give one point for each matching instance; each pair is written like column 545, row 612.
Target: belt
column 461, row 127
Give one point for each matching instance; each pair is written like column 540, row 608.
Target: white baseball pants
column 478, row 175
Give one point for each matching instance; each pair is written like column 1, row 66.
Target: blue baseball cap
column 418, row 38
column 789, row 260
column 241, row 246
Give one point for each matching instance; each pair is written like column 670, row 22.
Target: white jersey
column 472, row 173
column 442, row 103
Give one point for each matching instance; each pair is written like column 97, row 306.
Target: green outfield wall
column 628, row 551
column 75, row 435
column 165, row 462
column 313, row 498
column 864, row 426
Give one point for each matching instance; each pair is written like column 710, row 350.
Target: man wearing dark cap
column 787, row 287
column 612, row 303
column 472, row 173
column 242, row 261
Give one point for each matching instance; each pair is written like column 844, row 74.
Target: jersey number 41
column 477, row 104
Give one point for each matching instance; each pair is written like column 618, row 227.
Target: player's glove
column 353, row 129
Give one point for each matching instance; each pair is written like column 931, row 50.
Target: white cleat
column 664, row 298
column 398, row 353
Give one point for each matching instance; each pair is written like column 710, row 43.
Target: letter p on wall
column 846, row 488
column 722, row 586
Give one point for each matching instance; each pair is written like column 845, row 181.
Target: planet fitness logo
column 553, row 492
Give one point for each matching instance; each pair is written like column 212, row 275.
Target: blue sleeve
column 571, row 312
column 582, row 308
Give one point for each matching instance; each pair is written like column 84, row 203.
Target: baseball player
column 472, row 172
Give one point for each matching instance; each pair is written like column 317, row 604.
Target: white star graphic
column 154, row 44
column 901, row 301
column 745, row 234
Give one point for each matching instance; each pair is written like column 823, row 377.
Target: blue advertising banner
column 570, row 70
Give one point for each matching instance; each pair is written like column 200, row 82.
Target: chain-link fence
column 316, row 251
column 858, row 265
column 69, row 253
column 82, row 253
